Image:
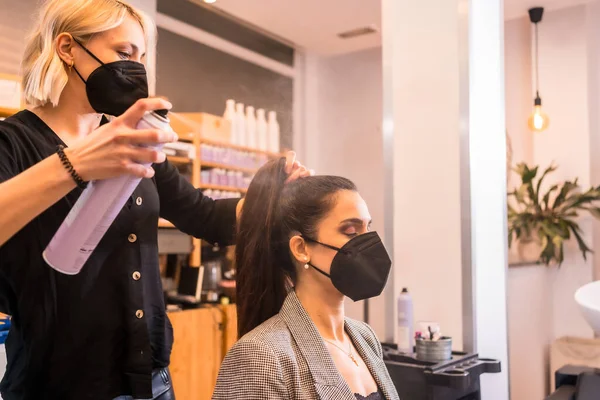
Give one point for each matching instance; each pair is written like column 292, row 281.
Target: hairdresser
column 101, row 334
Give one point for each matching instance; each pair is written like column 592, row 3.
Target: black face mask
column 114, row 87
column 360, row 268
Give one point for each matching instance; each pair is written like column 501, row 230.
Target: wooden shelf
column 7, row 112
column 179, row 160
column 222, row 188
column 205, row 164
column 240, row 148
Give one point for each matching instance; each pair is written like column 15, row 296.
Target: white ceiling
column 314, row 24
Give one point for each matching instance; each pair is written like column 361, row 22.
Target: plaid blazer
column 286, row 358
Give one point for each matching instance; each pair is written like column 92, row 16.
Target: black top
column 83, row 336
column 373, row 396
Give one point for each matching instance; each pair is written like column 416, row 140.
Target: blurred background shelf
column 223, row 188
column 179, row 160
column 228, row 167
column 239, row 148
column 7, row 112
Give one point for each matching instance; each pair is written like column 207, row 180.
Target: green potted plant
column 546, row 220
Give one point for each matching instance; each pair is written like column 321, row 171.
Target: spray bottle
column 94, row 212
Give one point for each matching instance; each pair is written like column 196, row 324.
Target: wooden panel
column 7, row 112
column 196, row 352
column 230, row 328
column 208, row 126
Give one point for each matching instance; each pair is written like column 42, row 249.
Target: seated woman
column 293, row 274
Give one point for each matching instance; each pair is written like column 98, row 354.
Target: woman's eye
column 350, row 232
column 124, row 55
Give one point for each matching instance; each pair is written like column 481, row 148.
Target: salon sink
column 588, row 299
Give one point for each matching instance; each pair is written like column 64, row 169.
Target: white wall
column 149, row 7
column 343, row 134
column 343, row 138
column 15, row 21
column 541, row 306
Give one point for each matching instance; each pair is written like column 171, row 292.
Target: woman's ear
column 299, row 250
column 64, row 46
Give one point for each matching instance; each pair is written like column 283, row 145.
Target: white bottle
column 405, row 322
column 250, row 128
column 273, row 132
column 240, row 123
column 262, row 130
column 229, row 115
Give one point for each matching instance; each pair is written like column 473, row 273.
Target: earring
column 71, row 65
column 305, row 266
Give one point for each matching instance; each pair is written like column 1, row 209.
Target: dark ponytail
column 273, row 212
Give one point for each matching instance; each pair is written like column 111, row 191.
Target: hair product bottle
column 405, row 322
column 94, row 212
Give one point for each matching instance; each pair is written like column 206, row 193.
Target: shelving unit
column 217, row 143
column 223, row 188
column 179, row 160
column 204, row 129
column 7, row 112
column 207, row 164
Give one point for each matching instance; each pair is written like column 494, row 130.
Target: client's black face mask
column 360, row 268
column 114, row 87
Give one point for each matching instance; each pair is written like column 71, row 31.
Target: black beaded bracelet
column 67, row 164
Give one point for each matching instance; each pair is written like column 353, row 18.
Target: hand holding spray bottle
column 95, row 211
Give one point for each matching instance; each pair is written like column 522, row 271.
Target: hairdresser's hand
column 114, row 148
column 294, row 169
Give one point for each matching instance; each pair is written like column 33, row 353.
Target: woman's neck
column 326, row 310
column 70, row 119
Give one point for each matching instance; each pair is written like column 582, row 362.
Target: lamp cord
column 537, row 70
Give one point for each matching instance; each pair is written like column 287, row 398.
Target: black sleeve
column 8, row 160
column 192, row 212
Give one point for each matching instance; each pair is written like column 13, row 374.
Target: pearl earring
column 305, row 266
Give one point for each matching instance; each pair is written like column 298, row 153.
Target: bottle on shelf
column 229, row 115
column 262, row 132
column 250, row 127
column 205, row 177
column 273, row 132
column 240, row 123
column 231, row 178
column 405, row 322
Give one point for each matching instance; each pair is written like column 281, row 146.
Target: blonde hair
column 44, row 73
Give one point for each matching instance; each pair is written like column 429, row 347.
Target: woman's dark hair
column 273, row 212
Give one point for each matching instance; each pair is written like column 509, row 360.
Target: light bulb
column 538, row 121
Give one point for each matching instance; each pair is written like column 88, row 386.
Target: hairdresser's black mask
column 360, row 268
column 114, row 87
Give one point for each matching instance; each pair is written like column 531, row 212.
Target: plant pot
column 526, row 250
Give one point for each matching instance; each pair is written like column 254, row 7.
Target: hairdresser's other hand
column 294, row 169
